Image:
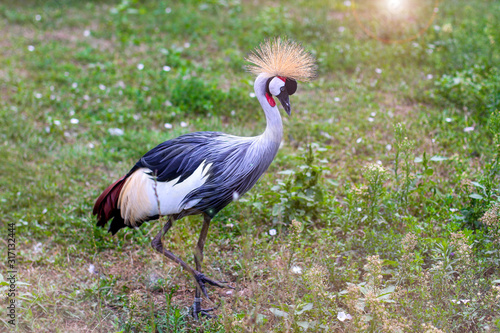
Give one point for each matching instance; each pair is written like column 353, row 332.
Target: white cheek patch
column 275, row 86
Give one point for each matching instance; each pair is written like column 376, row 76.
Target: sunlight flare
column 395, row 6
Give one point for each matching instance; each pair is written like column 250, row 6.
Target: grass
column 384, row 196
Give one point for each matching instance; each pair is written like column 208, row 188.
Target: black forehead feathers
column 291, row 86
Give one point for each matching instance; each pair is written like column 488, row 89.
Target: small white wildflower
column 38, row 17
column 167, row 68
column 233, row 112
column 184, row 124
column 336, row 99
column 437, row 28
column 296, row 270
column 74, row 85
column 92, row 269
column 86, row 33
column 168, row 125
column 102, row 87
column 341, row 29
column 168, row 10
column 74, row 121
column 448, row 120
column 342, row 316
column 378, row 70
column 187, row 45
column 168, row 103
column 469, row 129
column 37, row 248
column 429, row 76
column 370, row 119
column 373, row 114
column 453, row 210
column 347, row 3
column 86, row 97
column 31, row 48
column 388, row 147
column 252, row 95
column 359, row 140
column 136, row 116
column 116, row 131
column 47, row 129
column 236, row 196
column 57, row 122
column 326, row 135
column 358, row 209
column 462, row 301
column 272, row 232
column 67, row 134
column 376, row 167
column 38, row 95
column 44, row 211
column 229, row 292
column 91, row 145
column 140, row 67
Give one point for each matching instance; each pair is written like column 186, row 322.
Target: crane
column 202, row 172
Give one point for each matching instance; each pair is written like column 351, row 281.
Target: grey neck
column 274, row 129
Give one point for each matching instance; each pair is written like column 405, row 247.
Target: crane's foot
column 201, row 279
column 197, row 311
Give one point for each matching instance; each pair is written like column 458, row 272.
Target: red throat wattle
column 270, row 100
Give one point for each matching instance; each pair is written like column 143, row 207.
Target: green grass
column 384, row 196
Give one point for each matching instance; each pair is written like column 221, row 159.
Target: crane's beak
column 285, row 101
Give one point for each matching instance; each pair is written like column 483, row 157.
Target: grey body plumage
column 236, row 165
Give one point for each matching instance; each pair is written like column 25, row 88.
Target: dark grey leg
column 158, row 246
column 198, row 259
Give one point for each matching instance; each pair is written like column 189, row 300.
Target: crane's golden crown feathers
column 282, row 57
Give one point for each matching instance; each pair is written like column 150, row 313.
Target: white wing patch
column 139, row 200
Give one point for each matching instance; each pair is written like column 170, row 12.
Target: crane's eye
column 291, row 86
column 282, row 88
